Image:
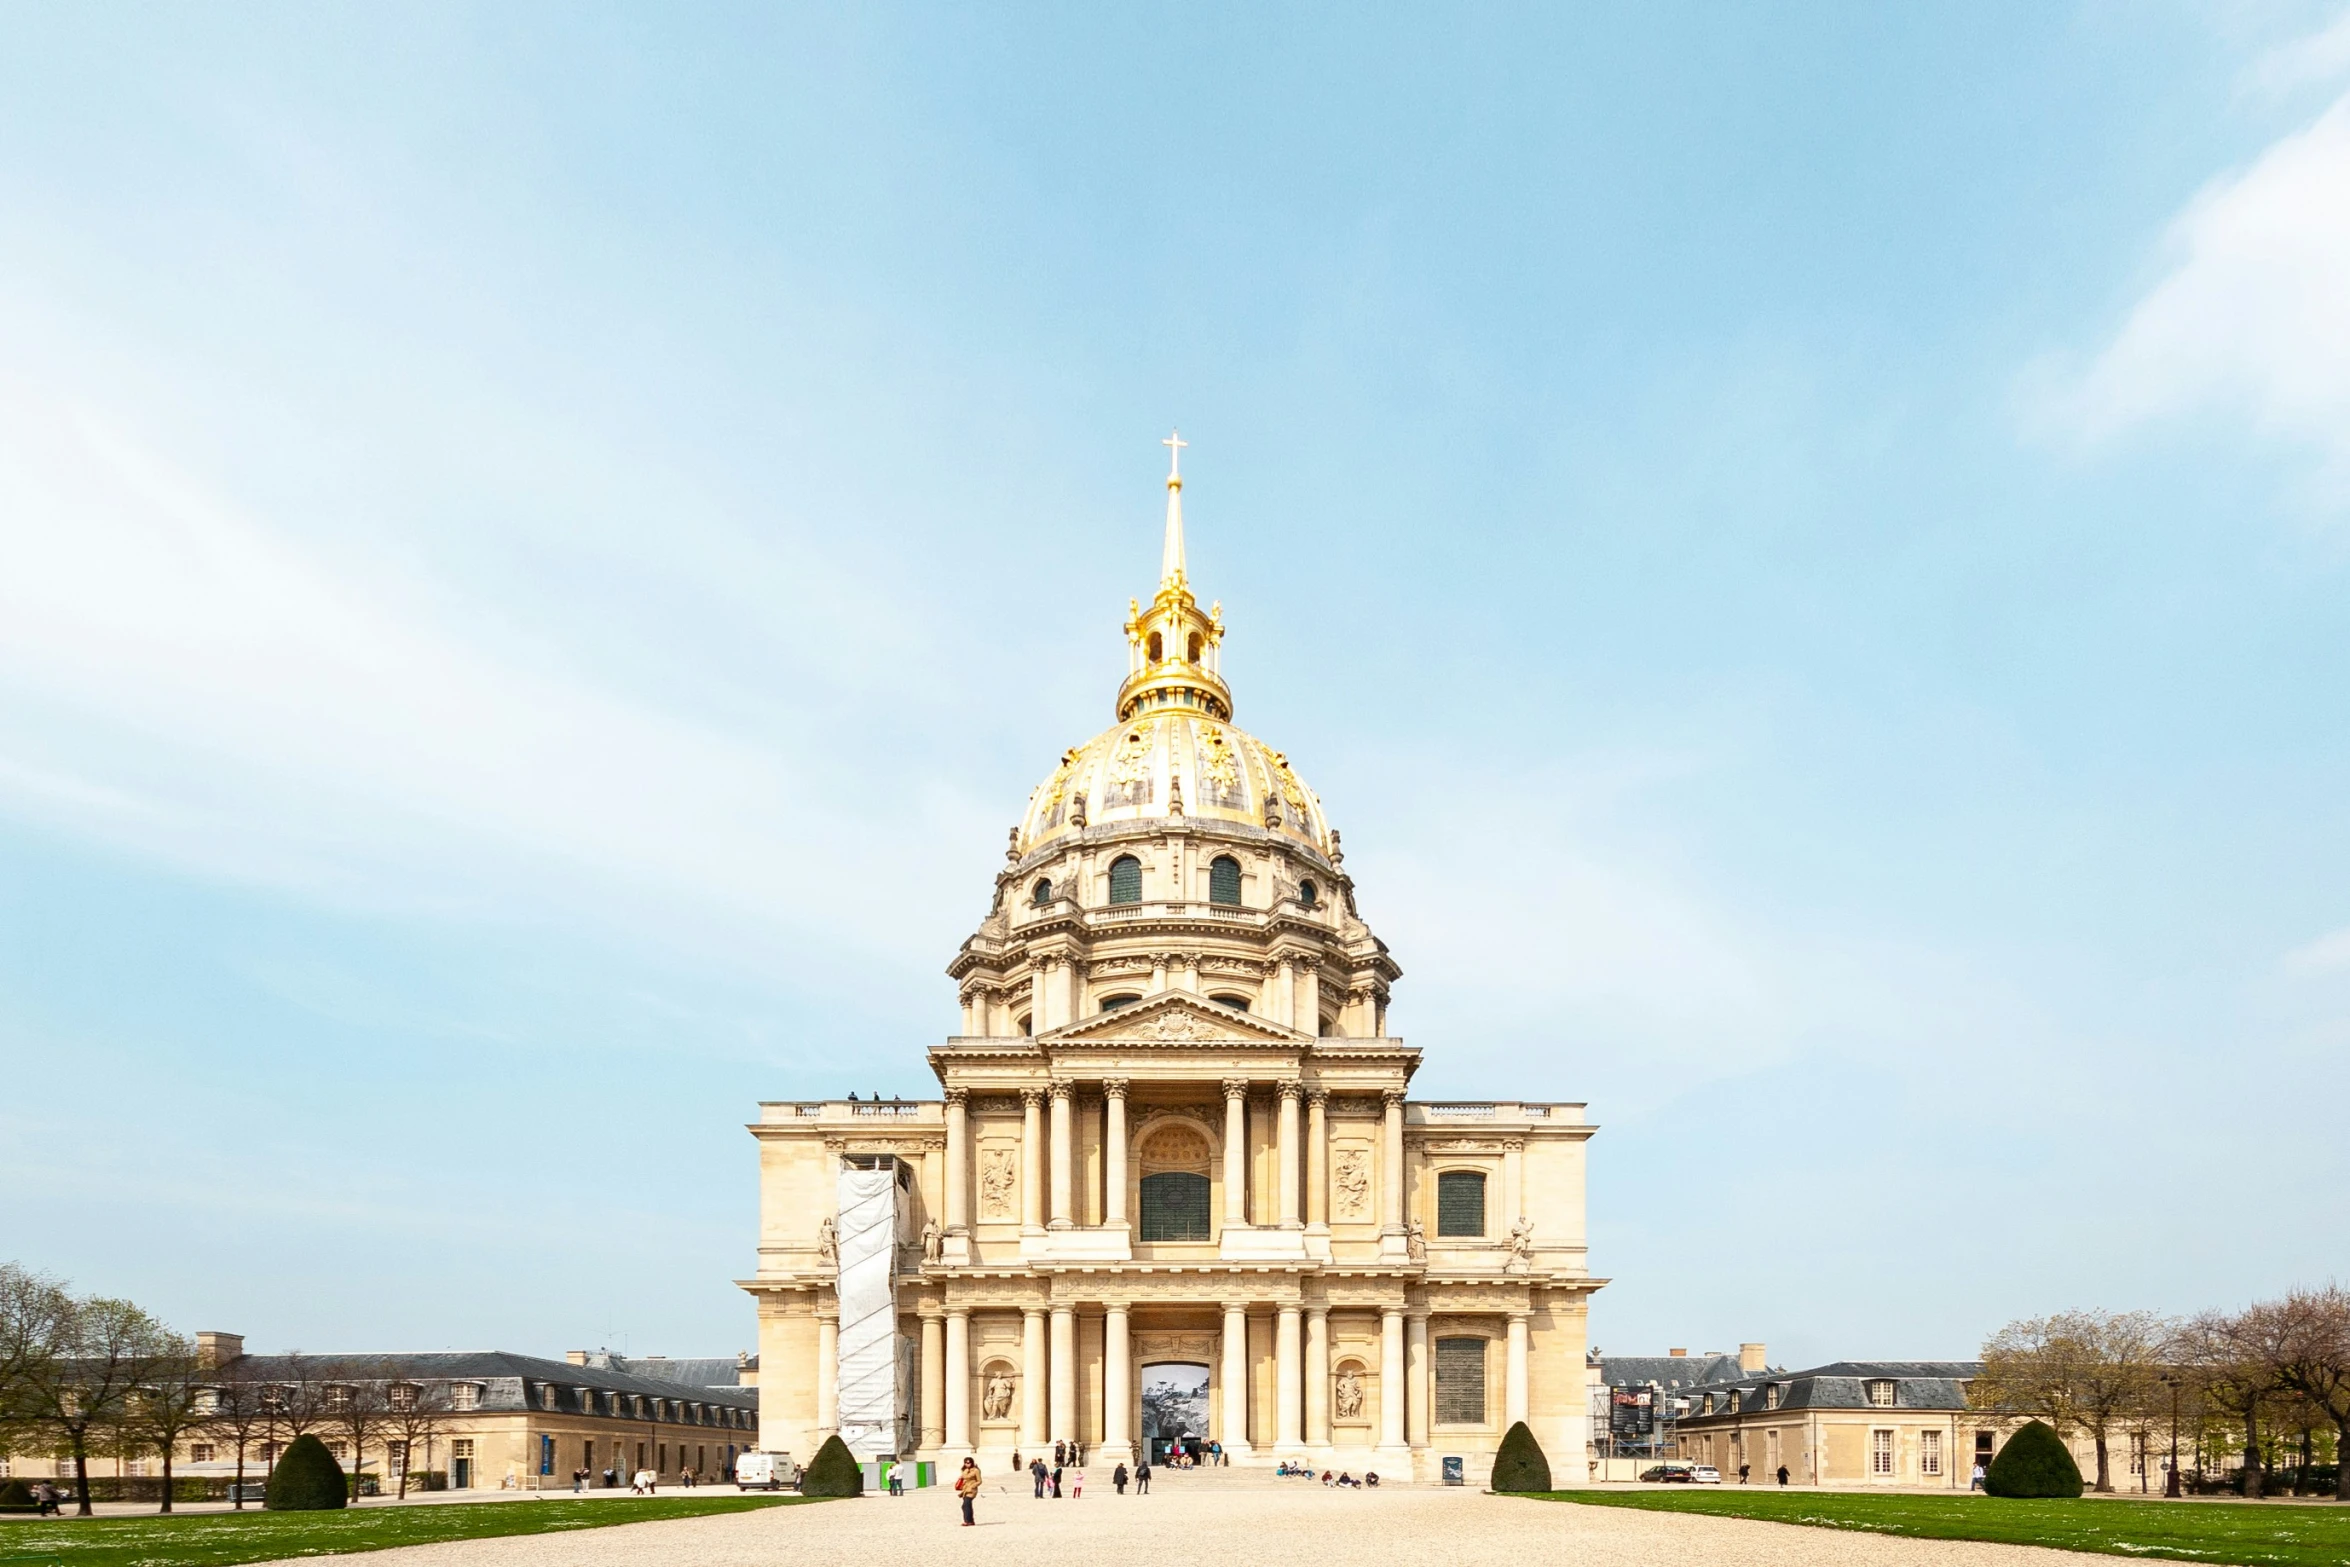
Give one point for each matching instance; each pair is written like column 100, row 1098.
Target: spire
column 1171, row 559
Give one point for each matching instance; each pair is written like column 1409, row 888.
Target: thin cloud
column 2328, row 954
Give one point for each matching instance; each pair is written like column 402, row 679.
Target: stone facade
column 1175, row 1133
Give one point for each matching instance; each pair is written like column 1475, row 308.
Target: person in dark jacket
column 1118, row 1479
column 1142, row 1475
column 1782, row 1474
column 1037, row 1472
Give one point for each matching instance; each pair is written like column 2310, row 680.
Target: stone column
column 1317, row 1159
column 1033, row 1378
column 958, row 1379
column 934, row 1380
column 1064, row 1412
column 1285, row 993
column 1232, row 1429
column 1117, row 1388
column 1114, row 1152
column 934, row 1181
column 1235, row 1153
column 1391, row 1192
column 1513, row 1181
column 1317, row 1376
column 1064, row 1145
column 1418, row 1389
column 1032, row 1161
column 958, row 1202
column 828, row 1371
column 1513, row 1399
column 1285, row 1146
column 1391, row 1379
column 1288, row 1382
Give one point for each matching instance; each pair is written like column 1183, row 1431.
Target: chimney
column 1751, row 1359
column 576, row 1357
column 215, row 1350
column 1678, row 1354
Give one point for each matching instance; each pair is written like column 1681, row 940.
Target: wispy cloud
column 2251, row 318
column 2328, row 954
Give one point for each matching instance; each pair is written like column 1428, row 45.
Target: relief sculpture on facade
column 999, row 1179
column 1350, row 1179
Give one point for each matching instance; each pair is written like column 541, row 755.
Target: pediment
column 1175, row 1017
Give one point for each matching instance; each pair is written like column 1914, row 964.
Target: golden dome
column 1174, row 750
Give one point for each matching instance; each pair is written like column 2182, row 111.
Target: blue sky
column 541, row 549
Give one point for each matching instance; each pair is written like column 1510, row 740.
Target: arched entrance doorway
column 1174, row 1408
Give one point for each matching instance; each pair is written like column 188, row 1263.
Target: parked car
column 766, row 1472
column 1705, row 1474
column 1670, row 1474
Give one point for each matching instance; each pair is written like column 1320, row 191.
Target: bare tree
column 352, row 1405
column 109, row 1349
column 2087, row 1370
column 412, row 1415
column 237, row 1414
column 168, row 1404
column 2231, row 1359
column 2307, row 1340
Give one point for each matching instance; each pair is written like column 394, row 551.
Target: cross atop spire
column 1171, row 558
column 1175, row 444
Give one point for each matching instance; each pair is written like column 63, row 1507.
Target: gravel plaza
column 1240, row 1517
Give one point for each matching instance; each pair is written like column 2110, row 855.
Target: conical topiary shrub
column 833, row 1472
column 2035, row 1462
column 306, row 1479
column 1519, row 1464
column 17, row 1497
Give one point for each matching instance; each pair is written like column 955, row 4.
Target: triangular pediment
column 1175, row 1017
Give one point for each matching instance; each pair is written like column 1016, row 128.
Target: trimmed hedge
column 307, row 1479
column 2035, row 1462
column 833, row 1472
column 1519, row 1465
column 17, row 1497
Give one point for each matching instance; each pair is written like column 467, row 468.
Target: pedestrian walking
column 967, row 1487
column 578, row 1481
column 1742, row 1468
column 897, row 1478
column 1056, row 1482
column 1142, row 1475
column 1038, row 1472
column 1118, row 1479
column 1782, row 1474
column 1976, row 1482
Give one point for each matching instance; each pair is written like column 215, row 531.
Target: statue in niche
column 828, row 1244
column 1351, row 1180
column 1415, row 1241
column 999, row 1178
column 931, row 1243
column 995, row 1403
column 1521, row 1245
column 1350, row 1394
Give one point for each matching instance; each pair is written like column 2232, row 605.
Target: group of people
column 1182, row 1455
column 1328, row 1477
column 1049, row 1479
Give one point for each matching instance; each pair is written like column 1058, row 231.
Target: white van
column 766, row 1472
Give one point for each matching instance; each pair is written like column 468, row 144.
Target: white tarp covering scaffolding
column 875, row 1367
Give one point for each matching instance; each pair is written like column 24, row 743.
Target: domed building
column 1174, row 1190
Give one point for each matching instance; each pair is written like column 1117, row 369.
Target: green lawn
column 219, row 1539
column 2254, row 1533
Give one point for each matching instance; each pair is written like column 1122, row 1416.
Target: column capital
column 1317, row 1095
column 929, row 1310
column 958, row 1096
column 1419, row 1314
column 1063, row 1090
column 1513, row 1145
column 1290, row 1090
column 1520, row 1314
column 957, row 1309
column 1031, row 1098
column 1317, row 1308
column 1236, row 1088
column 1392, row 1098
column 1113, row 1088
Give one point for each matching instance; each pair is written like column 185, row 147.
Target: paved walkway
column 1236, row 1518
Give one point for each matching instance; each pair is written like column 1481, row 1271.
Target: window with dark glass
column 1126, row 879
column 1224, row 881
column 1043, row 892
column 1308, row 894
column 1236, row 1003
column 1174, row 1206
column 1460, row 1203
column 1460, row 1381
column 1113, row 1003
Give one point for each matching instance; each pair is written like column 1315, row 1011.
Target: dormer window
column 1771, row 1396
column 1881, row 1394
column 464, row 1395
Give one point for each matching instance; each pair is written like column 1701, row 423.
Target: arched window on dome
column 1308, row 895
column 1025, row 1028
column 1113, row 1003
column 1042, row 893
column 1236, row 1003
column 1194, row 646
column 1126, row 879
column 1157, row 648
column 1224, row 881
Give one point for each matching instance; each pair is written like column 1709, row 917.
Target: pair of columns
column 1048, row 1377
